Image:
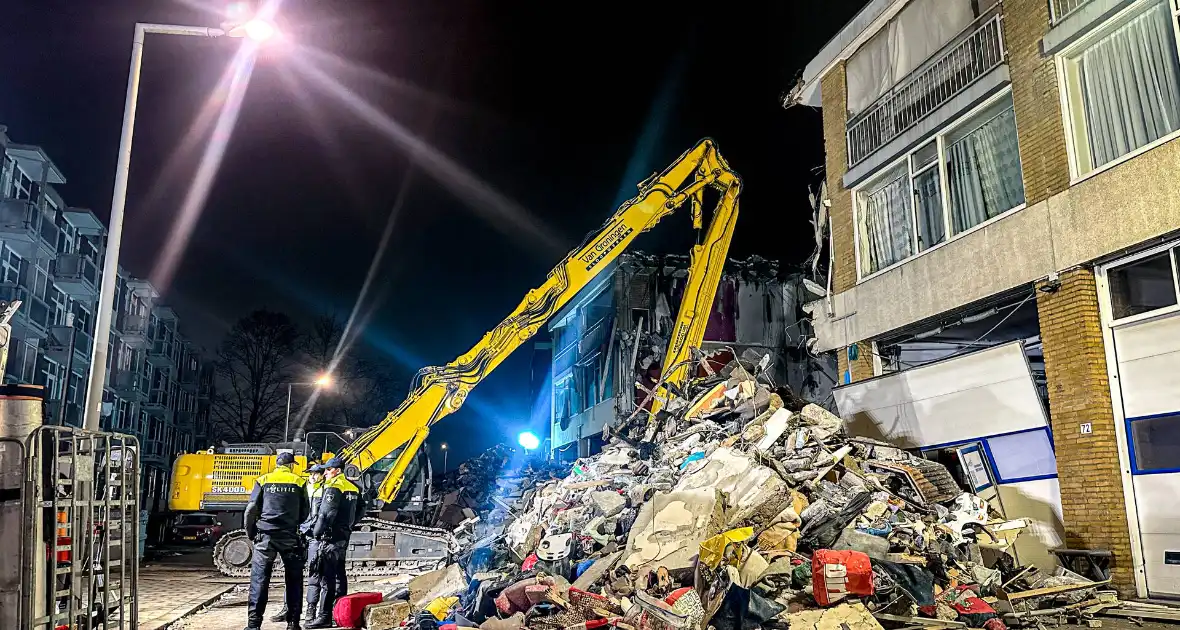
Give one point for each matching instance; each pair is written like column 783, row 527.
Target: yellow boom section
column 439, row 391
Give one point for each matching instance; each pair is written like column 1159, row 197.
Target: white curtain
column 886, row 225
column 983, row 171
column 918, row 31
column 1130, row 83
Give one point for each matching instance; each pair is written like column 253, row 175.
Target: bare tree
column 362, row 390
column 254, row 364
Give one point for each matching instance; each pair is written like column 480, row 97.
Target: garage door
column 1148, row 355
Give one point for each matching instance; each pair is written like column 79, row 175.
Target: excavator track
column 377, row 547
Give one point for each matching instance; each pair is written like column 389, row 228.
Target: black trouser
column 267, row 547
column 333, row 583
column 314, row 578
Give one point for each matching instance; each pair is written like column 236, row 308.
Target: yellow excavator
column 381, row 546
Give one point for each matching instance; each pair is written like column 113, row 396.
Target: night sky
column 548, row 113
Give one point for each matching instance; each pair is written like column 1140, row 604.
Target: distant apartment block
column 158, row 384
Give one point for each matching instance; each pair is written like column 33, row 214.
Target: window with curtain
column 964, row 175
column 886, row 221
column 928, row 196
column 1124, row 86
column 983, row 167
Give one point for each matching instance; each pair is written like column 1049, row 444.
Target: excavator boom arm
column 439, row 391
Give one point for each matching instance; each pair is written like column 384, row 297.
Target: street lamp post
column 255, row 29
column 321, row 382
column 445, row 451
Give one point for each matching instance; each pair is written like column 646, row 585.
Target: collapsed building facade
column 1003, row 224
column 612, row 337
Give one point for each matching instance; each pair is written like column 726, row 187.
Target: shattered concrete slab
column 669, row 529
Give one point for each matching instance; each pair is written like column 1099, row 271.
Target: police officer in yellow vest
column 278, row 504
column 315, row 488
column 315, row 491
column 339, row 510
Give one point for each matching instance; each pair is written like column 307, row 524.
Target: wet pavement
column 176, row 583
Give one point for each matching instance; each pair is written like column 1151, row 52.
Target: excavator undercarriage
column 377, row 547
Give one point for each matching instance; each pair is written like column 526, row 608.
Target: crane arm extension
column 440, row 391
column 706, row 265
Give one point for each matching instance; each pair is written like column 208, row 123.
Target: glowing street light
column 255, row 29
column 323, row 381
column 529, row 441
column 445, row 451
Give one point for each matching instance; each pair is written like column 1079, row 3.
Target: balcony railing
column 975, row 52
column 158, row 400
column 134, row 329
column 128, row 385
column 161, row 354
column 1058, row 9
column 76, row 274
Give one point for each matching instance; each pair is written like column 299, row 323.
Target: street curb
column 197, row 608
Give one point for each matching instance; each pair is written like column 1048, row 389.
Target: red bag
column 837, row 574
column 349, row 610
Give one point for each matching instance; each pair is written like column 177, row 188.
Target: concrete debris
column 728, row 509
column 386, row 615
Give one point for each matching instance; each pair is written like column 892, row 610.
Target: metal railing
column 1058, row 9
column 134, row 325
column 75, row 267
column 85, row 485
column 971, row 55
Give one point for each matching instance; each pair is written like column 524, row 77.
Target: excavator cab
column 416, row 491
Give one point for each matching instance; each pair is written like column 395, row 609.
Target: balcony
column 189, row 378
column 186, row 420
column 158, row 402
column 77, row 275
column 134, row 330
column 162, row 354
column 24, row 228
column 57, row 344
column 33, row 317
column 971, row 55
column 129, row 385
column 73, row 416
column 1058, row 9
column 152, row 451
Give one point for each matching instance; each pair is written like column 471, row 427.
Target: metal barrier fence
column 12, row 519
column 81, row 535
column 966, row 58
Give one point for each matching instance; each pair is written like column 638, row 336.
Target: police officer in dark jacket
column 315, row 490
column 338, row 512
column 277, row 506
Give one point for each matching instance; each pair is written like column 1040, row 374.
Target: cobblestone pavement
column 177, row 584
column 229, row 613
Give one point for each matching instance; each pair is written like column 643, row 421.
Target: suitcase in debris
column 838, row 574
column 349, row 610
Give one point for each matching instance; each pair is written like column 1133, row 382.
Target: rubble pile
column 737, row 507
column 485, row 485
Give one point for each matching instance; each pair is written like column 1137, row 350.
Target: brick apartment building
column 158, row 384
column 1005, row 210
